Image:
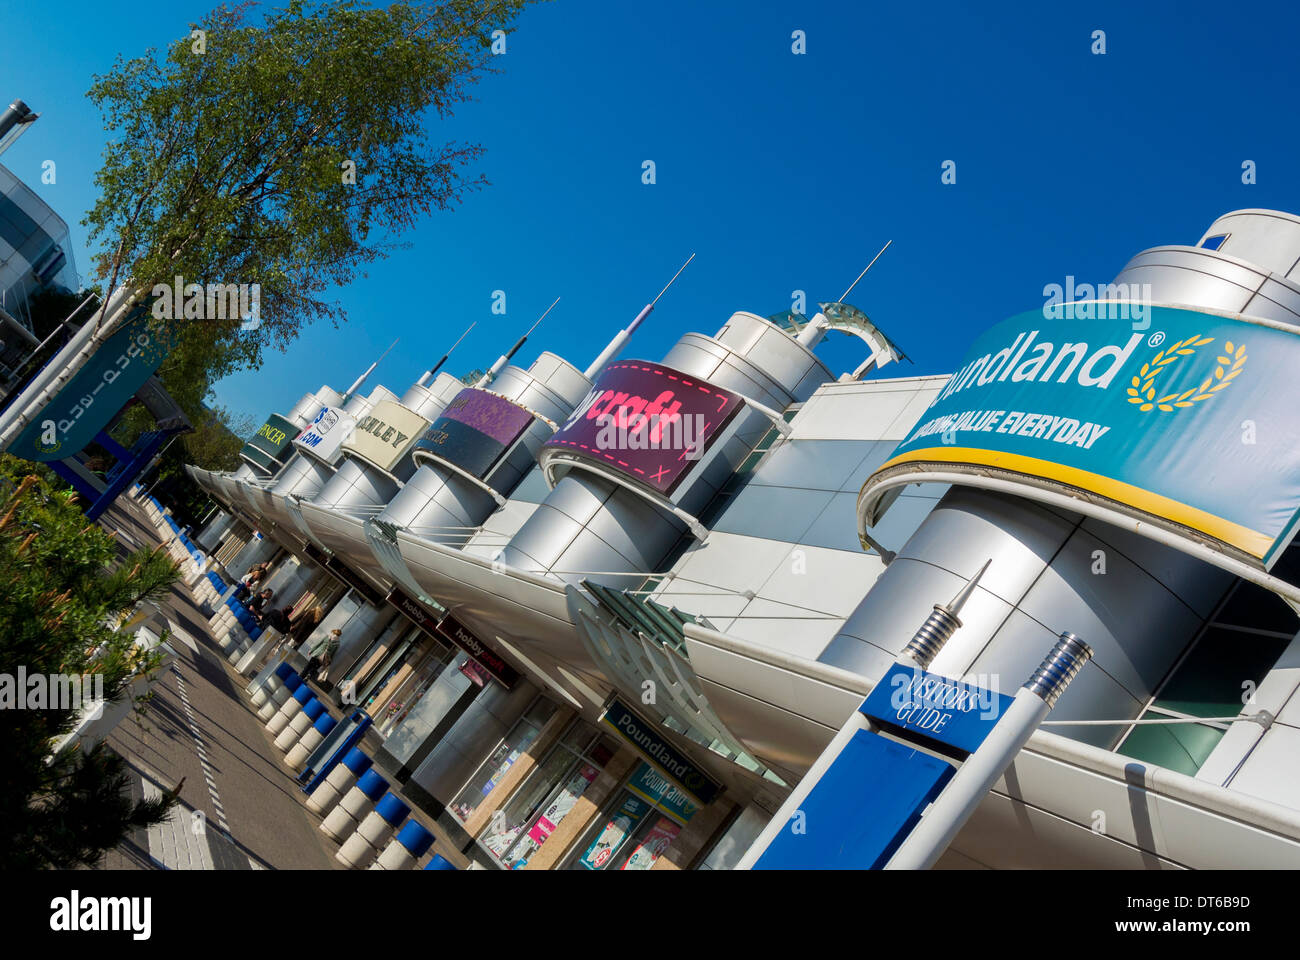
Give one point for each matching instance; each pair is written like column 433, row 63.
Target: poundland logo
column 643, row 736
column 1043, row 363
column 76, row 913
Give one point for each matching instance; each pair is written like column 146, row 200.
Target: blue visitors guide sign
column 955, row 713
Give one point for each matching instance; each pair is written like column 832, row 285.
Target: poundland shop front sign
column 1189, row 420
column 643, row 735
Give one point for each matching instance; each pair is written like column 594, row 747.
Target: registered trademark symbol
column 1155, row 339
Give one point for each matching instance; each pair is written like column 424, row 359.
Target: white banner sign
column 324, row 436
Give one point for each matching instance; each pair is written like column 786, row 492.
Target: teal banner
column 1183, row 415
column 95, row 393
column 651, row 785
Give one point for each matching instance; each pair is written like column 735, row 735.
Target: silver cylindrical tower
column 1139, row 603
column 442, row 501
column 592, row 528
column 359, row 483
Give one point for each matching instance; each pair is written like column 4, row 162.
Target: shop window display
column 529, row 817
column 638, row 826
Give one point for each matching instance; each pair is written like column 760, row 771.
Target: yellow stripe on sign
column 1234, row 534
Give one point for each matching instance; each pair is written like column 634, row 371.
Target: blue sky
column 782, row 172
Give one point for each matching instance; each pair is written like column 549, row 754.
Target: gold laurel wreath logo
column 1143, row 390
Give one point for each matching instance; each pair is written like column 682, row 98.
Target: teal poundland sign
column 95, row 393
column 1189, row 417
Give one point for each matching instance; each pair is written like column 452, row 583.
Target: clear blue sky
column 782, row 172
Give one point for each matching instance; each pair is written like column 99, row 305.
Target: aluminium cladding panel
column 443, row 504
column 439, row 504
column 1138, row 616
column 304, row 411
column 703, row 357
column 428, row 401
column 510, row 471
column 1270, row 239
column 770, row 348
column 483, row 598
column 802, row 497
column 356, row 484
column 1041, row 815
column 506, row 520
column 1208, row 279
column 302, row 476
column 345, row 535
column 472, row 738
column 1233, row 761
column 551, row 386
column 589, row 525
column 1270, row 771
column 260, row 499
column 867, row 410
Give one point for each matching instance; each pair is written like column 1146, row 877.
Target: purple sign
column 474, row 430
column 647, row 421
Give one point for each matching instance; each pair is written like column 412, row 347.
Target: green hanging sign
column 95, row 393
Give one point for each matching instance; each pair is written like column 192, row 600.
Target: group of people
column 292, row 629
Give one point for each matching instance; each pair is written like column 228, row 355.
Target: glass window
column 547, row 796
column 490, row 772
column 1248, row 635
column 1177, row 746
column 1213, row 243
column 397, row 706
column 610, row 834
column 635, row 830
column 652, row 838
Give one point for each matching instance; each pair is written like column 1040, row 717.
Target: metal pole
column 973, row 780
column 432, row 371
column 505, row 358
column 614, row 346
column 864, row 271
column 919, row 652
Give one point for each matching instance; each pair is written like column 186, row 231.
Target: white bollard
column 342, row 820
column 338, row 781
column 298, row 724
column 363, row 846
column 404, row 850
column 291, row 706
column 309, row 741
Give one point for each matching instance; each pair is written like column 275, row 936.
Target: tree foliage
column 65, row 588
column 288, row 152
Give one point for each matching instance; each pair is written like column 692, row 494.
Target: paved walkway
column 240, row 807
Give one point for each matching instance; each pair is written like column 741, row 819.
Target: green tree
column 66, row 587
column 287, row 153
column 217, row 438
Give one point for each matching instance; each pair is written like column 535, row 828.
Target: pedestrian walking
column 322, row 653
